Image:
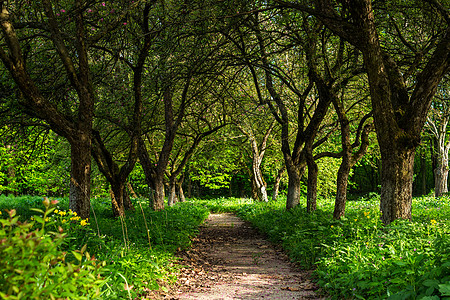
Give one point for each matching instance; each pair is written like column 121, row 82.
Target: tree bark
column 341, row 188
column 397, row 175
column 117, row 199
column 294, row 186
column 182, row 198
column 276, row 186
column 80, row 176
column 158, row 201
column 148, row 168
column 441, row 175
column 254, row 191
column 132, row 192
column 172, row 197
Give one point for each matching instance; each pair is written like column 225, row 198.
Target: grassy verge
column 136, row 252
column 358, row 257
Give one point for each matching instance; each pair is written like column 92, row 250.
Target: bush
column 34, row 267
column 138, row 250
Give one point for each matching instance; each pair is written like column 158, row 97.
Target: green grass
column 358, row 257
column 138, row 250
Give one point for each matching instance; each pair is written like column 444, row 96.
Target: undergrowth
column 134, row 254
column 358, row 257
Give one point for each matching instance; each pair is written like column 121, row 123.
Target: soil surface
column 231, row 260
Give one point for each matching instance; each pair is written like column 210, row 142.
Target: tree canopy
column 222, row 96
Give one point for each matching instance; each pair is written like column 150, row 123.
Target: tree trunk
column 180, row 191
column 276, row 186
column 441, row 176
column 438, row 127
column 434, row 158
column 80, row 176
column 397, row 177
column 341, row 188
column 294, row 187
column 116, row 193
column 261, row 186
column 254, row 188
column 158, row 201
column 127, row 204
column 311, row 199
column 120, row 200
column 172, row 197
column 132, row 192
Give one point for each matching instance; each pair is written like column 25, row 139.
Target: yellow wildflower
column 356, row 220
column 83, row 222
column 62, row 213
column 332, row 226
column 56, row 211
column 63, row 221
column 433, row 222
column 47, row 219
column 0, row 212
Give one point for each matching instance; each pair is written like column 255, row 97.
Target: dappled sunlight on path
column 233, row 261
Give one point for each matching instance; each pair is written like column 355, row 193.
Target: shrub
column 34, row 267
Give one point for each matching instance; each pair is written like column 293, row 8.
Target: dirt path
column 231, row 260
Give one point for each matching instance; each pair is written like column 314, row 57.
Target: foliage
column 135, row 262
column 34, row 266
column 326, row 181
column 32, row 162
column 358, row 257
column 217, row 161
column 222, row 204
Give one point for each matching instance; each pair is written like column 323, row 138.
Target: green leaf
column 431, row 282
column 444, row 289
column 39, row 219
column 77, row 255
column 37, row 210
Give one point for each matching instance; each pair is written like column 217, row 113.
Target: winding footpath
column 231, row 260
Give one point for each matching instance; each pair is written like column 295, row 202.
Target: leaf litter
column 231, row 260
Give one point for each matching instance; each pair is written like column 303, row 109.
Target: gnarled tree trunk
column 158, row 201
column 80, row 176
column 397, row 175
column 294, row 186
